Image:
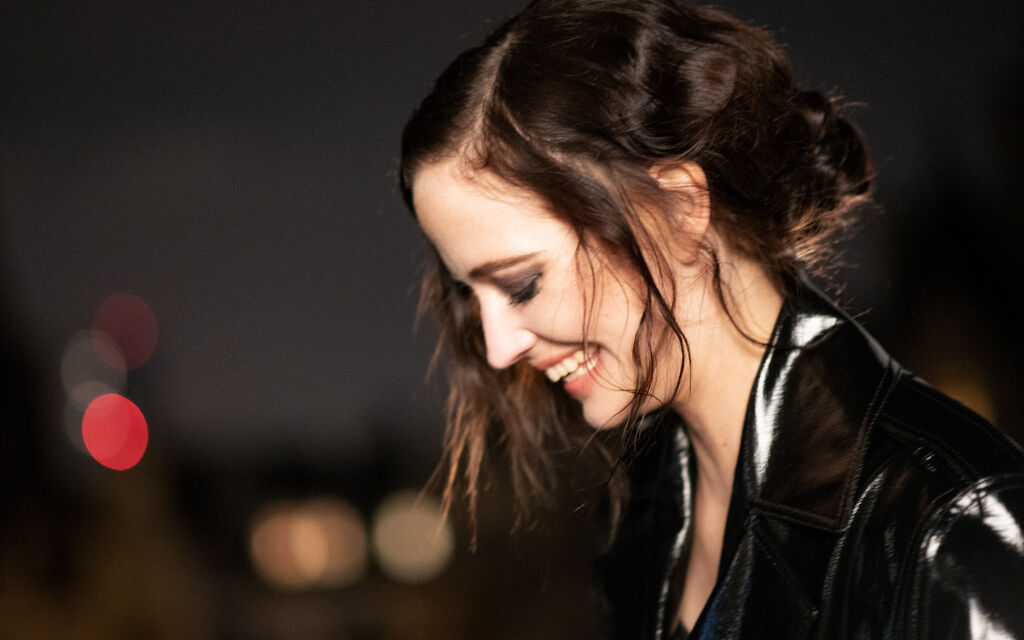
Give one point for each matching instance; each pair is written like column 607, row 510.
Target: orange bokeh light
column 319, row 543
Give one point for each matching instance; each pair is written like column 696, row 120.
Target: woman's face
column 536, row 292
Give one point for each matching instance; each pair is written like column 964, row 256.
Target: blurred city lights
column 114, row 431
column 314, row 543
column 85, row 392
column 412, row 540
column 132, row 326
column 78, row 401
column 91, row 357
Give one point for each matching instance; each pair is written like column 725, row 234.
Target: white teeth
column 571, row 366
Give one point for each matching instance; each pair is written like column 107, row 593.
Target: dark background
column 234, row 165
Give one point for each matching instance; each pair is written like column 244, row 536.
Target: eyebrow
column 485, row 270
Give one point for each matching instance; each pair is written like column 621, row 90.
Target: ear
column 689, row 208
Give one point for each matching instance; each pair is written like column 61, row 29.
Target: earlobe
column 690, row 210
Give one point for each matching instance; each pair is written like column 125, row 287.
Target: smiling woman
column 518, row 263
column 624, row 199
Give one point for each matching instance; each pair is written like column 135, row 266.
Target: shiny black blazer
column 865, row 505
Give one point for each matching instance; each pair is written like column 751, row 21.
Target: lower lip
column 581, row 385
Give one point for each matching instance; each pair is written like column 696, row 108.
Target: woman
column 624, row 198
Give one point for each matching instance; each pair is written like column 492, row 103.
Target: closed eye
column 523, row 290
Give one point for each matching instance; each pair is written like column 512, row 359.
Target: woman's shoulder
column 827, row 350
column 969, row 569
column 930, row 542
column 925, row 458
column 931, row 536
column 938, row 513
column 949, row 435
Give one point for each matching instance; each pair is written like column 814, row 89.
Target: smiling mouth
column 572, row 366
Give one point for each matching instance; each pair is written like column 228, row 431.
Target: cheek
column 594, row 297
column 562, row 321
column 616, row 311
column 559, row 311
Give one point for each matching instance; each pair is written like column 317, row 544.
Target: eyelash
column 525, row 293
column 519, row 296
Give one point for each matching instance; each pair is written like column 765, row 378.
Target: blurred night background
column 213, row 184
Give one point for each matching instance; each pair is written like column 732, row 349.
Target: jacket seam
column 905, row 595
column 762, row 540
column 957, row 464
column 938, row 523
column 792, row 515
column 854, row 479
column 833, row 523
column 994, row 436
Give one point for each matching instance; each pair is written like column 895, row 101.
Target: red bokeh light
column 114, row 431
column 131, row 325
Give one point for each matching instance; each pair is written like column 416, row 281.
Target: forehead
column 476, row 218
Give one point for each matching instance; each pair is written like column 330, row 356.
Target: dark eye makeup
column 519, row 289
column 522, row 289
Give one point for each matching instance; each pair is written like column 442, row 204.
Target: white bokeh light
column 85, row 360
column 412, row 540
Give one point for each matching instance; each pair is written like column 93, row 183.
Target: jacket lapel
column 807, row 420
column 652, row 536
column 808, row 416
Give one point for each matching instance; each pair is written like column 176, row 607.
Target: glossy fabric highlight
column 865, row 505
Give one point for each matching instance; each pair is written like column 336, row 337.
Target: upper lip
column 550, row 362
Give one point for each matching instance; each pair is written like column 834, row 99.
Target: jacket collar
column 813, row 399
column 808, row 416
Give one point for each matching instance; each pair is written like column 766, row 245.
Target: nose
column 505, row 335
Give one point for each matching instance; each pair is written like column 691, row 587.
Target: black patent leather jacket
column 865, row 505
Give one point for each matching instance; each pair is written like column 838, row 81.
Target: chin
column 610, row 411
column 605, row 415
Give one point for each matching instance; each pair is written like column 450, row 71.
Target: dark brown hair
column 576, row 101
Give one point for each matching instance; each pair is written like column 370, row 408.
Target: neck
column 722, row 365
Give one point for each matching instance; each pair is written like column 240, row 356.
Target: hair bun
column 836, row 154
column 829, row 172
